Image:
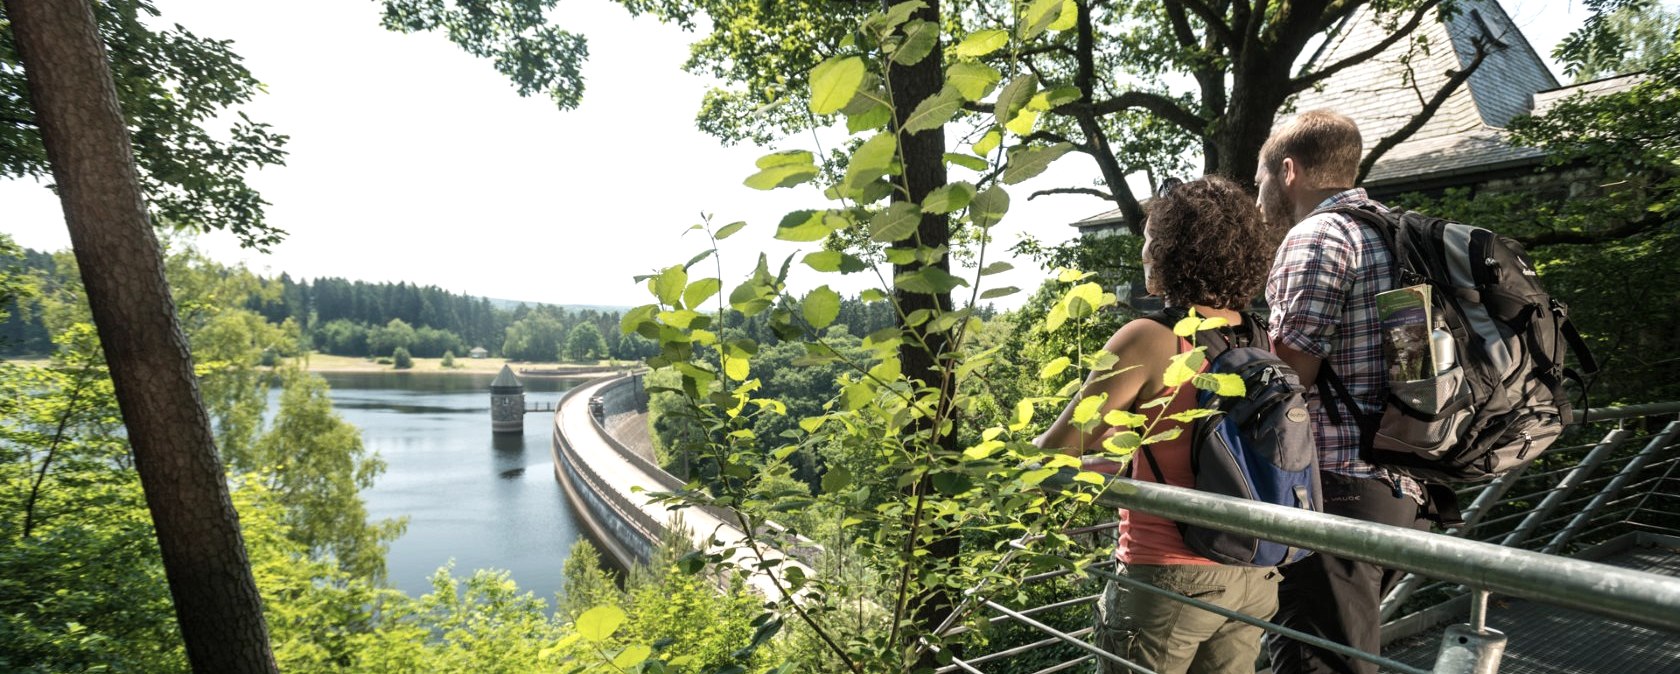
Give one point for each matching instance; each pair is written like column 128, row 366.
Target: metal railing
column 1516, row 531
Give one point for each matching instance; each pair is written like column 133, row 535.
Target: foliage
column 890, row 481
column 448, row 360
column 181, row 95
column 1618, row 36
column 400, row 359
column 584, row 344
column 512, row 33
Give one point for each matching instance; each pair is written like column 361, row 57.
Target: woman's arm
column 1143, row 347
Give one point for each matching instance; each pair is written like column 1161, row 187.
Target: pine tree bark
column 87, row 143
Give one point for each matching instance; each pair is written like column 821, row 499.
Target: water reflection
column 481, row 499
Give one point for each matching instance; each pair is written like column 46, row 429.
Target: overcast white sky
column 413, row 161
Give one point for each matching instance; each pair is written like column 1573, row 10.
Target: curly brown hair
column 1208, row 245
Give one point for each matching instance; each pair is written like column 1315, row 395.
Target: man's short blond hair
column 1325, row 145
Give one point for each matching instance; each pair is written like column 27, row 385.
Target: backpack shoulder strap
column 1392, row 232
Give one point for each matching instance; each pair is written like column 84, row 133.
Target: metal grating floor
column 1550, row 640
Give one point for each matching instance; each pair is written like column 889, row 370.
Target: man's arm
column 1305, row 366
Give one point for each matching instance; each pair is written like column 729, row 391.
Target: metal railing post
column 1471, row 648
column 1611, row 490
column 1485, row 501
column 1589, row 465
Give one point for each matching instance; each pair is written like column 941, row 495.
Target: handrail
column 1633, row 596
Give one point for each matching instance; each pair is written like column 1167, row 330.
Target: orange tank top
column 1145, row 538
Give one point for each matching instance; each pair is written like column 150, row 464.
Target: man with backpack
column 1322, row 291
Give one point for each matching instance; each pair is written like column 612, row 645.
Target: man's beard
column 1276, row 208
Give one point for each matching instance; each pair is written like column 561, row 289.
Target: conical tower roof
column 506, row 382
column 1383, row 93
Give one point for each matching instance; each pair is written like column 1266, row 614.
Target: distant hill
column 510, row 305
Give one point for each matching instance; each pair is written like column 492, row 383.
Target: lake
column 481, row 500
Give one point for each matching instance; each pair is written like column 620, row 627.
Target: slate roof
column 1382, row 94
column 506, row 380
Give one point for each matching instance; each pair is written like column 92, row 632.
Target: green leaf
column 786, row 158
column 1073, row 275
column 933, row 111
column 632, row 656
column 668, row 286
column 700, row 291
column 897, row 223
column 874, row 116
column 982, row 450
column 737, row 368
column 895, row 15
column 1057, row 316
column 1054, row 367
column 833, row 260
column 635, row 317
column 780, row 176
column 972, row 80
column 1068, row 18
column 952, row 197
column 1192, row 414
column 821, row 307
column 1038, row 17
column 996, row 268
column 729, row 229
column 981, row 43
column 871, row 295
column 1089, row 408
column 919, row 39
column 1124, row 419
column 988, row 142
column 1023, row 415
column 1023, row 122
column 1186, row 326
column 1123, row 442
column 1084, row 299
column 928, row 281
column 1221, row 383
column 1213, row 323
column 834, row 82
column 872, row 159
column 836, row 478
column 1014, row 97
column 969, row 162
column 802, row 226
column 1163, row 436
column 1028, row 162
column 598, row 624
column 901, row 255
column 988, row 207
column 994, row 293
column 1177, row 372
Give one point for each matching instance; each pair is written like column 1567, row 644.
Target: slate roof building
column 1464, row 144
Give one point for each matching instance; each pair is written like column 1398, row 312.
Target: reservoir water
column 481, row 500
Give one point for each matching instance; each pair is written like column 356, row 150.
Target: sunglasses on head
column 1167, row 186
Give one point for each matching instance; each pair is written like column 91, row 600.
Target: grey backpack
column 1503, row 402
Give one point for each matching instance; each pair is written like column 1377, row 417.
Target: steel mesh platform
column 1546, row 639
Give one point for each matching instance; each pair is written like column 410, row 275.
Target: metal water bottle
column 1445, row 349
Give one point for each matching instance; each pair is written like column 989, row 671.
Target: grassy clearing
column 321, row 362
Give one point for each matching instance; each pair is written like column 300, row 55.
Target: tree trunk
column 87, row 143
column 924, row 171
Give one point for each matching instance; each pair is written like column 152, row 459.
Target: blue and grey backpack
column 1259, row 447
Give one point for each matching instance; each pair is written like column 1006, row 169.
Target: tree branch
column 1161, row 106
column 1423, row 116
column 1565, row 237
column 1305, row 82
column 1097, row 140
column 1215, row 23
column 1092, row 191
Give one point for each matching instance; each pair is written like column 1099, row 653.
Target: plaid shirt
column 1322, row 291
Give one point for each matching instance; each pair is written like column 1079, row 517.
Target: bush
column 448, row 359
column 401, row 360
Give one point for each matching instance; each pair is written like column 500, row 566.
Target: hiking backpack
column 1259, row 447
column 1502, row 402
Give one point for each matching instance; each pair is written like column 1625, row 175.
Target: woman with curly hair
column 1205, row 247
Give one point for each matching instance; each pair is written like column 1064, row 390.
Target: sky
column 410, row 160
